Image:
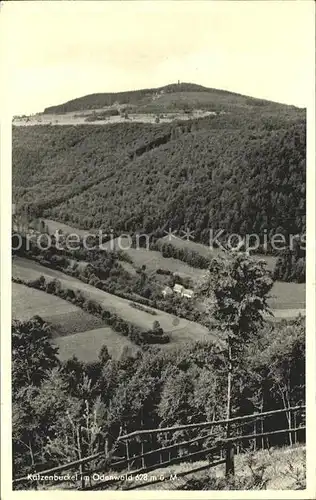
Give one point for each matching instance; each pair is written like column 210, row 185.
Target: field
column 53, row 226
column 64, row 317
column 287, row 296
column 179, row 329
column 73, row 118
column 27, row 302
column 75, row 332
column 86, row 345
column 206, row 251
column 154, row 260
column 287, row 299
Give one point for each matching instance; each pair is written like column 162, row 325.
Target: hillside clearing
column 87, row 345
column 179, row 329
column 283, row 469
column 154, row 260
column 86, row 118
column 207, row 251
column 284, row 296
column 288, row 295
column 64, row 317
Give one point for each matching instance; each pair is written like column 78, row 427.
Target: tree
column 33, row 355
column 71, row 426
column 284, row 360
column 104, row 355
column 157, row 328
column 235, row 291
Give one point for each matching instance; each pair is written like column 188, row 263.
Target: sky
column 59, row 50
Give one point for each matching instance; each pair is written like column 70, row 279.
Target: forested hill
column 167, row 98
column 244, row 172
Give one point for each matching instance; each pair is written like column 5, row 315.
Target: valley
column 180, row 330
column 122, row 338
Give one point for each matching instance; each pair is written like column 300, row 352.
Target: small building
column 167, row 291
column 183, row 292
column 187, row 293
column 178, row 288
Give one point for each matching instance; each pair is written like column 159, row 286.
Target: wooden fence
column 215, row 447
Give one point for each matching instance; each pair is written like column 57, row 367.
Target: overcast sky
column 63, row 50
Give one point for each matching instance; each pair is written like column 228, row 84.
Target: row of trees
column 291, row 263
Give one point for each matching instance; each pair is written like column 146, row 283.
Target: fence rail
column 219, row 446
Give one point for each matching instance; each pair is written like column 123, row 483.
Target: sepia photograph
column 161, row 306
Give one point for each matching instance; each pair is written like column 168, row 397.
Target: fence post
column 230, row 466
column 142, row 452
column 127, row 455
column 295, row 426
column 81, row 472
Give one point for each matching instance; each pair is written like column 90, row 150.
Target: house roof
column 178, row 288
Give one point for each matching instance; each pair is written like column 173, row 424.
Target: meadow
column 74, row 331
column 87, row 345
column 206, row 251
column 64, row 317
column 179, row 329
column 286, row 299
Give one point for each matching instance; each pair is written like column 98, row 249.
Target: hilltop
column 167, row 98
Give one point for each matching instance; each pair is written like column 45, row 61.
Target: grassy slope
column 28, row 302
column 206, row 251
column 86, row 345
column 75, row 332
column 179, row 329
column 284, row 296
column 288, row 297
column 284, row 469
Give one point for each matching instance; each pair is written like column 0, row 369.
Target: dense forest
column 141, row 177
column 187, row 385
column 241, row 170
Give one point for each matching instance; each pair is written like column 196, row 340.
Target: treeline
column 291, row 263
column 189, row 256
column 52, row 400
column 54, row 287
